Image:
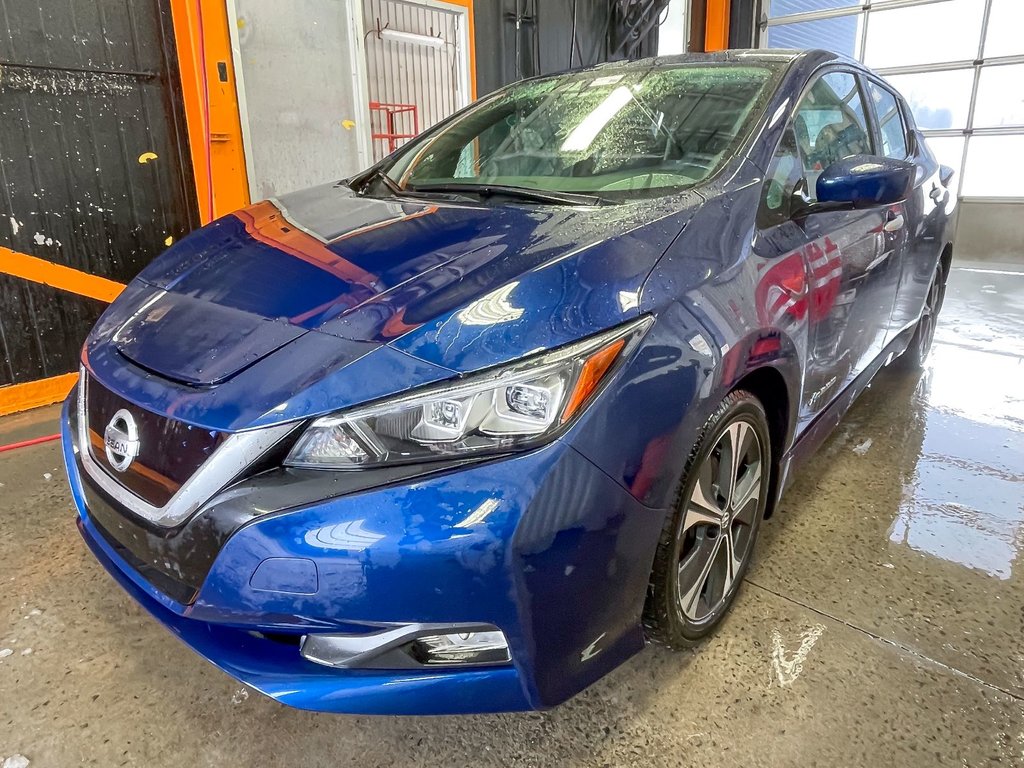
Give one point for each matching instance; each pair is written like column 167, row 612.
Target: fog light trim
column 410, row 646
column 460, row 649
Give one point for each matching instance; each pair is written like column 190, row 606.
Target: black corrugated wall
column 89, row 91
column 523, row 38
column 744, row 23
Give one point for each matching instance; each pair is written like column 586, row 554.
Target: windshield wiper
column 504, row 190
column 360, row 183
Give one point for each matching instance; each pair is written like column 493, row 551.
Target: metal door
column 93, row 162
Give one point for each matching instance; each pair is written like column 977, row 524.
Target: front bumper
column 542, row 545
column 276, row 670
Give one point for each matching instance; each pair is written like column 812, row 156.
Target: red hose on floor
column 27, row 443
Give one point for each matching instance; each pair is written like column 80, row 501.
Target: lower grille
column 174, row 589
column 165, row 581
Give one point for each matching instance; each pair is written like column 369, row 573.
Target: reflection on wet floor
column 984, row 308
column 964, row 500
column 909, row 523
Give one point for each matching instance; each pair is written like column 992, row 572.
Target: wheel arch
column 946, row 259
column 768, row 384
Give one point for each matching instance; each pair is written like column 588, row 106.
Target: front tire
column 707, row 542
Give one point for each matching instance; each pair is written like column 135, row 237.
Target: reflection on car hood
column 458, row 287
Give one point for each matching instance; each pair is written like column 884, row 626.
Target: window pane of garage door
column 839, row 34
column 921, row 34
column 995, row 167
column 786, row 7
column 1000, row 97
column 938, row 99
column 1005, row 36
column 948, row 150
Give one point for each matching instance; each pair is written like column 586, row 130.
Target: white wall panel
column 299, row 93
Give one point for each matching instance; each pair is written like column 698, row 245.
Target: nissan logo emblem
column 121, row 440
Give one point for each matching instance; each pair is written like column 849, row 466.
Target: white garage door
column 960, row 64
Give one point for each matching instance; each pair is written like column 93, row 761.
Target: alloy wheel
column 719, row 523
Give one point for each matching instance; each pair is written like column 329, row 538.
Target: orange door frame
column 471, row 34
column 218, row 167
column 214, row 130
column 211, row 105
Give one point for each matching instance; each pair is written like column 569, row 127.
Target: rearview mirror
column 862, row 181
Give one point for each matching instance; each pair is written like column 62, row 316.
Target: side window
column 830, row 124
column 894, row 133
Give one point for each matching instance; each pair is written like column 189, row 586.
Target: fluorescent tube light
column 396, row 35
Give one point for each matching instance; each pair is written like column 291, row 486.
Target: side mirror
column 945, row 175
column 863, row 181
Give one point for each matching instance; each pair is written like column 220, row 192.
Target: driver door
column 851, row 277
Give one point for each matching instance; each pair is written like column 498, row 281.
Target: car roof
column 798, row 62
column 772, row 57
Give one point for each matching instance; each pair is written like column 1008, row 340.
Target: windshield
column 640, row 131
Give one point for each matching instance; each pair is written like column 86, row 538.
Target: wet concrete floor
column 882, row 623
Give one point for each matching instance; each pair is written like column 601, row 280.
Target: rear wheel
column 924, row 333
column 707, row 543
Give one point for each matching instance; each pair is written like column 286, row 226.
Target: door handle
column 893, row 222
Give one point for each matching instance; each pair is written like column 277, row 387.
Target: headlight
column 517, row 406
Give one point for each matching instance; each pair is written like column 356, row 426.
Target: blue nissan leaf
column 465, row 431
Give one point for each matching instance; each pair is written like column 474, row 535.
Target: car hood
column 269, row 302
